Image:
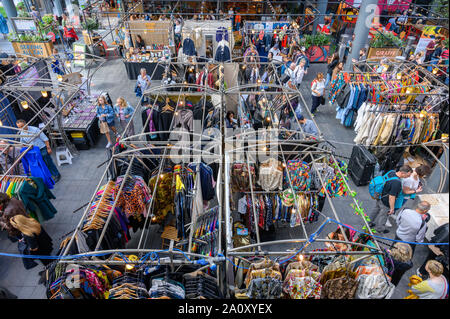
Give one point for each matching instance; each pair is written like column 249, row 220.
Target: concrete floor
column 80, row 179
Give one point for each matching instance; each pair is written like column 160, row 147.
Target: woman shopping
column 124, row 113
column 143, row 83
column 106, row 116
column 33, row 238
column 436, row 286
column 317, row 90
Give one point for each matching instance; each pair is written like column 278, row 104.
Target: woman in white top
column 412, row 184
column 299, row 72
column 317, row 90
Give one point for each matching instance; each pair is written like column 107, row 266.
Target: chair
column 170, row 233
column 112, row 49
column 63, row 155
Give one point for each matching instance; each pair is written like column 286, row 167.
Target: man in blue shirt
column 307, row 126
column 40, row 141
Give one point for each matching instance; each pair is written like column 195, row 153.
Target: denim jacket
column 108, row 110
column 127, row 111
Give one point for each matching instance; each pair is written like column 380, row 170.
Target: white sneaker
column 388, row 223
column 108, row 145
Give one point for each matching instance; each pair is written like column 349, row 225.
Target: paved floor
column 81, row 178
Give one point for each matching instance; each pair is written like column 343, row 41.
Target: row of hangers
column 97, row 217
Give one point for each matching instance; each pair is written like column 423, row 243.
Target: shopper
column 429, row 50
column 143, row 82
column 33, row 236
column 10, row 207
column 124, row 112
column 36, row 15
column 317, row 91
column 437, row 252
column 106, row 117
column 412, row 224
column 70, row 35
column 413, row 184
column 40, row 141
column 337, row 70
column 332, row 63
column 386, row 204
column 401, row 255
column 436, row 287
column 299, row 73
column 306, row 126
column 230, row 120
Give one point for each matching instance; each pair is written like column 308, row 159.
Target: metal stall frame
column 15, row 88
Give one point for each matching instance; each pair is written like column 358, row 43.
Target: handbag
column 104, row 128
column 28, row 263
column 138, row 91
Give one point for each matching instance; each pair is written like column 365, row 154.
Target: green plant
column 90, row 24
column 318, row 39
column 445, row 42
column 27, row 37
column 386, row 40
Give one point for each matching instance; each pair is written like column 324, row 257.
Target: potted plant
column 89, row 25
column 385, row 45
column 34, row 44
column 317, row 46
column 48, row 24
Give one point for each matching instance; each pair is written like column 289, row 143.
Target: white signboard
column 24, row 25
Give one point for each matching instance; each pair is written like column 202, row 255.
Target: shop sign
column 36, row 49
column 383, row 53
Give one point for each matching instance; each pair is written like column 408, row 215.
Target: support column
column 322, row 7
column 11, row 11
column 58, row 7
column 367, row 12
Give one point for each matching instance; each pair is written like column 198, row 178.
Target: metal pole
column 11, row 11
column 366, row 13
column 322, row 7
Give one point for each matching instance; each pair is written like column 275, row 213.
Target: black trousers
column 315, row 103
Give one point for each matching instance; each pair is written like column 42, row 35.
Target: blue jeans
column 49, row 162
column 327, row 80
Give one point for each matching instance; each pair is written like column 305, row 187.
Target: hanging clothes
column 34, row 165
column 36, row 197
column 223, row 53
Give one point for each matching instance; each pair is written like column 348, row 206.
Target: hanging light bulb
column 284, row 165
column 154, row 219
column 1, row 123
column 399, row 76
column 300, row 257
column 59, row 77
column 132, row 258
column 24, row 104
column 68, row 64
column 268, row 119
column 44, row 93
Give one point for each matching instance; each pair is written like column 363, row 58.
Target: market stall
column 157, row 36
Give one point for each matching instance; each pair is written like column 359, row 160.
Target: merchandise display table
column 133, row 69
column 81, row 124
